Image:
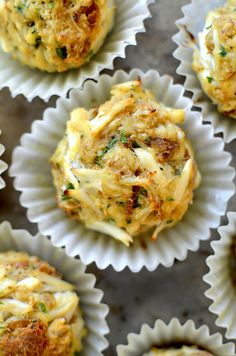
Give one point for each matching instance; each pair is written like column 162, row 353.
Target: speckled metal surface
column 133, row 298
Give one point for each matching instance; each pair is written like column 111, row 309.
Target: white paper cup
column 192, row 23
column 73, row 271
column 3, row 166
column 20, row 79
column 222, row 292
column 165, row 334
column 34, row 179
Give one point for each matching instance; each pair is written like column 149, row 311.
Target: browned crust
column 165, row 147
column 24, row 338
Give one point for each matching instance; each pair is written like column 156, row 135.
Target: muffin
column 39, row 312
column 54, row 35
column 183, row 351
column 126, row 166
column 215, row 59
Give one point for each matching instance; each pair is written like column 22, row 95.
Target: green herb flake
column 62, row 52
column 20, row 9
column 64, row 197
column 43, row 308
column 70, row 186
column 111, row 144
column 170, row 199
column 77, row 353
column 223, row 51
column 143, row 191
column 169, row 221
column 51, row 4
column 128, row 221
column 123, row 137
column 210, row 79
column 1, row 303
column 97, row 161
column 208, row 27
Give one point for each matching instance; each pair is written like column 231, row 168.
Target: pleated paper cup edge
column 218, row 278
column 172, row 332
column 3, row 166
column 21, row 240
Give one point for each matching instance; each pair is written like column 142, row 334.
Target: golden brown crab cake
column 39, row 312
column 215, row 59
column 54, row 35
column 126, row 166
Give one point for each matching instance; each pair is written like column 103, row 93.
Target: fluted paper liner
column 20, row 79
column 222, row 292
column 174, row 332
column 33, row 178
column 3, row 165
column 72, row 270
column 191, row 24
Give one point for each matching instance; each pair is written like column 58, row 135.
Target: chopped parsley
column 77, row 353
column 97, row 161
column 111, row 144
column 210, row 79
column 169, row 221
column 123, row 137
column 223, row 51
column 170, row 199
column 143, row 191
column 208, row 27
column 62, row 52
column 64, row 197
column 19, row 9
column 70, row 186
column 43, row 308
column 51, row 4
column 128, row 221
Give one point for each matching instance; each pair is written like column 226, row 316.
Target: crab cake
column 215, row 60
column 39, row 312
column 54, row 35
column 126, row 166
